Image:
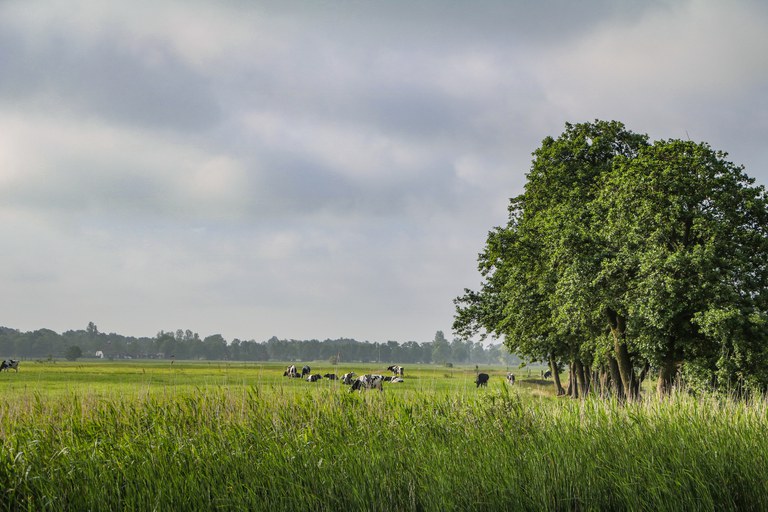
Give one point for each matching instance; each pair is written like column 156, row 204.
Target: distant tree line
column 185, row 344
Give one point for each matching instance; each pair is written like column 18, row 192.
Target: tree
column 441, row 349
column 687, row 231
column 73, row 352
column 535, row 293
column 621, row 254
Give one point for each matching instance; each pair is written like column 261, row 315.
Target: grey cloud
column 141, row 83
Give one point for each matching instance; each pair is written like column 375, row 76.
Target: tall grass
column 269, row 448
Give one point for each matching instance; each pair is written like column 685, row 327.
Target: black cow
column 368, row 382
column 548, row 374
column 481, row 380
column 305, row 371
column 396, row 370
column 330, row 376
column 10, row 363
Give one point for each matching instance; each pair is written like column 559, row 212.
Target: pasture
column 233, row 436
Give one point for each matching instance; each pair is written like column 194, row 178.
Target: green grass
column 200, row 436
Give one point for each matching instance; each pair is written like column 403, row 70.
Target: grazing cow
column 348, row 378
column 511, row 378
column 368, row 382
column 548, row 374
column 314, row 378
column 397, row 379
column 481, row 380
column 10, row 363
column 396, row 370
column 290, row 371
column 306, row 371
column 331, row 376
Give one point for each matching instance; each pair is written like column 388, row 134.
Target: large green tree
column 622, row 254
column 536, row 292
column 685, row 233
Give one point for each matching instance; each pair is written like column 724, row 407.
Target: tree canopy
column 623, row 256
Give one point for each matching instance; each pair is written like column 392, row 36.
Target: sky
column 321, row 169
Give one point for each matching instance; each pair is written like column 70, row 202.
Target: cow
column 348, row 378
column 396, row 370
column 330, row 376
column 481, row 380
column 367, row 382
column 10, row 363
column 397, row 379
column 548, row 374
column 314, row 378
column 305, row 371
column 290, row 371
column 511, row 378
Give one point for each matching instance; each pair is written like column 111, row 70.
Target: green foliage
column 73, row 353
column 621, row 255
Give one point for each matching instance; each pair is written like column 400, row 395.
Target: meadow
column 234, row 436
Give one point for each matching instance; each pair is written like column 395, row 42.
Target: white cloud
column 697, row 49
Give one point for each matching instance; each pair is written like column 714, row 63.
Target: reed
column 430, row 446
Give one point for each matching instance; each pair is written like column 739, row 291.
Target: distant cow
column 396, row 370
column 548, row 374
column 8, row 364
column 396, row 380
column 290, row 371
column 368, row 382
column 314, row 378
column 305, row 371
column 511, row 378
column 330, row 376
column 348, row 378
column 481, row 380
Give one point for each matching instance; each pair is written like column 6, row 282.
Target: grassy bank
column 278, row 447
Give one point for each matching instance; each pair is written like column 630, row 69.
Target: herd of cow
column 369, row 381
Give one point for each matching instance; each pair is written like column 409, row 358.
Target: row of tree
column 185, row 344
column 624, row 258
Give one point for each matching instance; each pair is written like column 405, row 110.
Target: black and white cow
column 290, row 371
column 314, row 378
column 348, row 378
column 368, row 382
column 481, row 380
column 8, row 364
column 510, row 378
column 396, row 370
column 548, row 374
column 305, row 371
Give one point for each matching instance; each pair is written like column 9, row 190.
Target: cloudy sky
column 314, row 169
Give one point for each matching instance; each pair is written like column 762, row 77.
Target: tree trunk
column 556, row 377
column 587, row 379
column 666, row 378
column 618, row 330
column 616, row 384
column 604, row 382
column 573, row 387
column 581, row 380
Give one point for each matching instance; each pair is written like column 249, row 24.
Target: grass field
column 207, row 436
